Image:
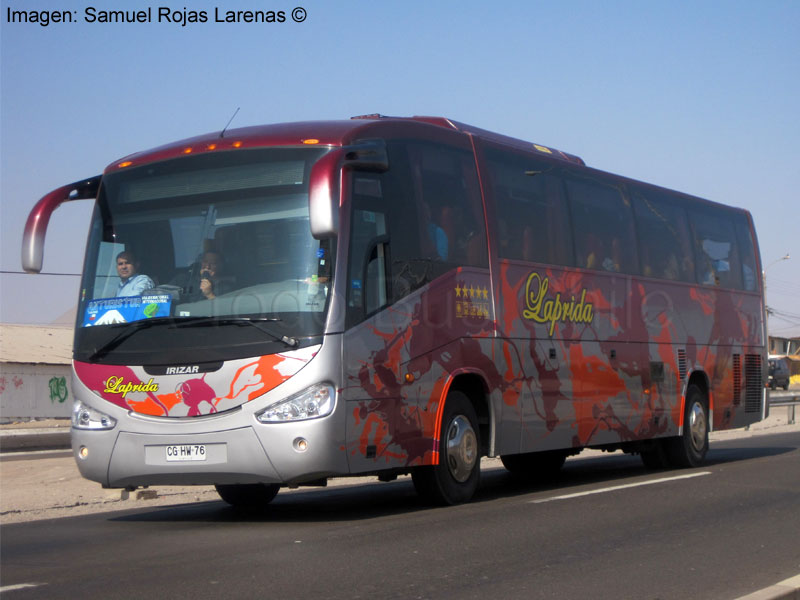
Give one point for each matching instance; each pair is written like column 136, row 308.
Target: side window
column 532, row 217
column 411, row 224
column 715, row 249
column 367, row 281
column 747, row 253
column 603, row 226
column 665, row 249
column 446, row 185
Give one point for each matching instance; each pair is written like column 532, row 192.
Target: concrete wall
column 34, row 391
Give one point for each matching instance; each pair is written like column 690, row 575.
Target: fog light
column 83, row 452
column 300, row 444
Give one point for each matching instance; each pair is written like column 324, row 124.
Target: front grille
column 737, row 379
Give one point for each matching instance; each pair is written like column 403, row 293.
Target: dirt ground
column 46, row 485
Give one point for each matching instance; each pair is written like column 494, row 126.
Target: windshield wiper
column 125, row 334
column 136, row 326
column 288, row 340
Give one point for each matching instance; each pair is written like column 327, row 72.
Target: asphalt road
column 731, row 528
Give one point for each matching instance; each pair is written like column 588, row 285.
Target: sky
column 700, row 97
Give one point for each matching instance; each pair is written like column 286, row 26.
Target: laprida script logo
column 118, row 385
column 541, row 309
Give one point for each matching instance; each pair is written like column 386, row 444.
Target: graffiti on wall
column 58, row 389
column 34, row 391
column 16, row 381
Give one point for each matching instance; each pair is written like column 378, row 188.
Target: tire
column 534, row 466
column 689, row 449
column 455, row 479
column 248, row 495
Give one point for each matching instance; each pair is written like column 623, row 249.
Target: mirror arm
column 39, row 217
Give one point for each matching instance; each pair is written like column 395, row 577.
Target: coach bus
column 277, row 305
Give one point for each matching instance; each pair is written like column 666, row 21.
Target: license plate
column 186, row 452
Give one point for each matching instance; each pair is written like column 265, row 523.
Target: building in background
column 35, row 372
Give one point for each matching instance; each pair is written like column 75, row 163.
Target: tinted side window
column 382, row 225
column 747, row 253
column 715, row 248
column 665, row 248
column 532, row 216
column 603, row 226
column 447, row 191
column 418, row 220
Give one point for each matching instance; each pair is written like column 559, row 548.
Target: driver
column 131, row 282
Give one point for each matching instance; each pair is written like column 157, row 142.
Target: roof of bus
column 344, row 132
column 324, row 133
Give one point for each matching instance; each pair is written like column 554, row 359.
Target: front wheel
column 248, row 495
column 689, row 449
column 455, row 479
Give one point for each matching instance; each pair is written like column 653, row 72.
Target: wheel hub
column 462, row 448
column 697, row 426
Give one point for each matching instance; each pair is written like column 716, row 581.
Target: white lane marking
column 614, row 488
column 19, row 586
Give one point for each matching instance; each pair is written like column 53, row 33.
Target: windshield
column 223, row 235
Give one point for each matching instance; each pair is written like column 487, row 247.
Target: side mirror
column 323, row 195
column 323, row 187
column 39, row 217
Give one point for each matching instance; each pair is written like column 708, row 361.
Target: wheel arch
column 700, row 379
column 472, row 384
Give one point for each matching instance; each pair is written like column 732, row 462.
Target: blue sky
column 697, row 96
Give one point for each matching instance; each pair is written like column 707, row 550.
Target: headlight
column 316, row 401
column 85, row 417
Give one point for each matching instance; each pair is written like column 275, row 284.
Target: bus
column 278, row 305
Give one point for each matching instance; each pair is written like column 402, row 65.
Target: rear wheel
column 248, row 495
column 455, row 479
column 689, row 449
column 535, row 465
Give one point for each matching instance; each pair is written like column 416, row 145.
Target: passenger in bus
column 594, row 252
column 438, row 238
column 131, row 282
column 671, row 268
column 614, row 260
column 599, row 258
column 213, row 281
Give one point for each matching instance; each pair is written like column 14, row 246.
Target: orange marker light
column 187, row 150
column 127, row 163
column 311, row 141
column 237, row 144
column 212, row 146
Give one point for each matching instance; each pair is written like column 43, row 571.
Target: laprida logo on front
column 540, row 309
column 118, row 385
